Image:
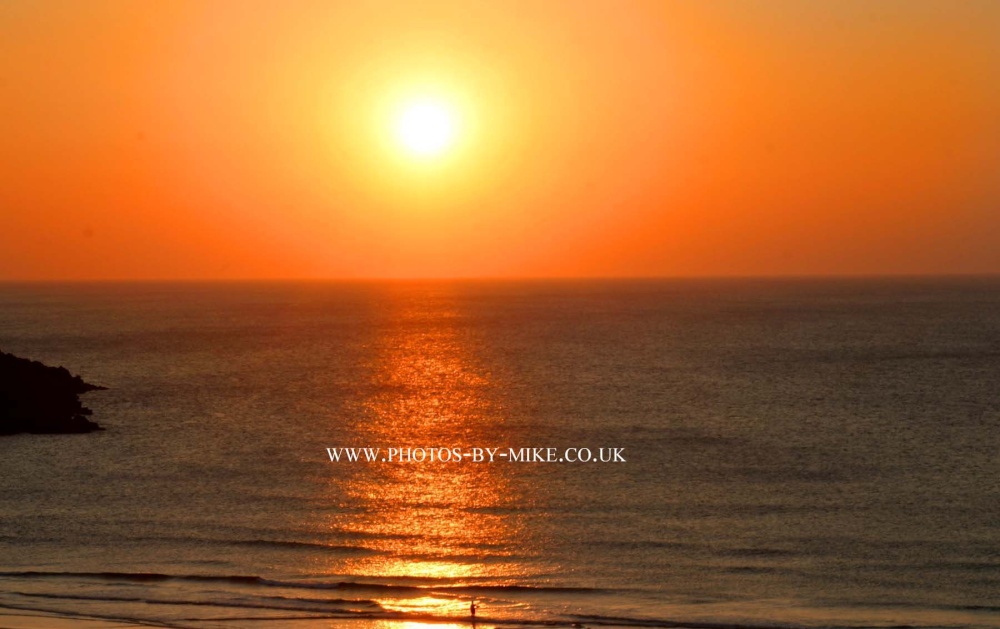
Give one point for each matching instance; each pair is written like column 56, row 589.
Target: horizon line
column 502, row 278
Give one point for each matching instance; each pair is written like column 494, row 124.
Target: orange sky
column 249, row 139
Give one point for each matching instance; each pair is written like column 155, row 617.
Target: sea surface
column 797, row 453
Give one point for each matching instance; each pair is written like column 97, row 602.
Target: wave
column 131, row 576
column 570, row 622
column 366, row 609
column 256, row 542
column 280, row 603
column 359, row 599
column 424, row 589
column 625, row 621
column 240, row 579
column 574, row 622
column 294, row 544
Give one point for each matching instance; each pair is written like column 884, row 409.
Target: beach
column 12, row 619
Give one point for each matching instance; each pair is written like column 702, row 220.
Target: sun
column 426, row 128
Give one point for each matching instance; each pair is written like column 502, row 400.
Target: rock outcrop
column 36, row 398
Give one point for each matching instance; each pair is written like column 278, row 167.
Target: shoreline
column 18, row 618
column 14, row 618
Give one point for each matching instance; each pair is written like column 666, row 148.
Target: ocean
column 777, row 453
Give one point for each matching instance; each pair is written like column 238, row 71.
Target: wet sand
column 22, row 619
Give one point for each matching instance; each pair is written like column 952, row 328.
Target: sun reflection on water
column 420, row 625
column 426, row 605
column 439, row 523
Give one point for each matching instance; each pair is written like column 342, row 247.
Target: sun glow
column 426, row 128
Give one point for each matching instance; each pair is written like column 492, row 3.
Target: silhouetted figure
column 472, row 610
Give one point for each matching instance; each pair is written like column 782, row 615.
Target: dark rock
column 39, row 399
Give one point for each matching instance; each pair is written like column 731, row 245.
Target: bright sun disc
column 426, row 128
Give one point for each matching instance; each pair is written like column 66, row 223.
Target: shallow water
column 817, row 453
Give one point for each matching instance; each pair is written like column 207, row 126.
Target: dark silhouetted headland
column 39, row 399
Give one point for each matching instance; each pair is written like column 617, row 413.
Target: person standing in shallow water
column 472, row 610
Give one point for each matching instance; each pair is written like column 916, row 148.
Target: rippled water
column 819, row 453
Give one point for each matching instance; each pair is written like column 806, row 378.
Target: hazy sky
column 255, row 139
